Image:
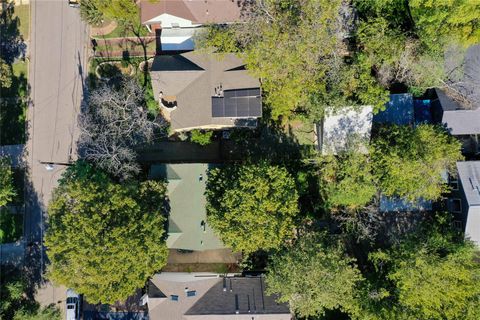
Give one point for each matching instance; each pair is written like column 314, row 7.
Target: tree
column 347, row 180
column 430, row 275
column 90, row 13
column 48, row 313
column 5, row 74
column 7, row 190
column 443, row 21
column 252, row 207
column 116, row 123
column 104, row 240
column 409, row 162
column 314, row 275
column 122, row 11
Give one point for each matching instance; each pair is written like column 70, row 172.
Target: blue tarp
column 422, row 111
column 399, row 110
column 394, row 204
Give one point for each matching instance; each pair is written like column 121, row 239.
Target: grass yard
column 23, row 14
column 20, row 68
column 11, row 226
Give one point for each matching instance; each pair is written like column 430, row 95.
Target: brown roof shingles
column 197, row 11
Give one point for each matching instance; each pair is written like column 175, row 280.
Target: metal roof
column 469, row 175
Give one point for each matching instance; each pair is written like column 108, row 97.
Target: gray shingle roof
column 238, row 294
column 192, row 80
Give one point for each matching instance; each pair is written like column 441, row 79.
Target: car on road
column 73, row 305
column 74, row 3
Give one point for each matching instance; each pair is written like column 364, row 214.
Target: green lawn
column 19, row 68
column 23, row 14
column 11, row 226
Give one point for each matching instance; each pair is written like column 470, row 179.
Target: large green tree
column 430, row 275
column 347, row 180
column 409, row 162
column 252, row 207
column 441, row 22
column 7, row 190
column 104, row 239
column 315, row 275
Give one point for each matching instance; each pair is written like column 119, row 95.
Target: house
column 399, row 110
column 205, row 91
column 203, row 296
column 464, row 201
column 338, row 131
column 462, row 119
column 178, row 20
column 187, row 222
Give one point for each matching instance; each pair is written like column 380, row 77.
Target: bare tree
column 115, row 124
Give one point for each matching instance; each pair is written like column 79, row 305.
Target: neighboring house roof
column 194, row 81
column 213, row 297
column 461, row 122
column 463, row 119
column 469, row 175
column 197, row 11
column 350, row 125
column 187, row 221
column 399, row 110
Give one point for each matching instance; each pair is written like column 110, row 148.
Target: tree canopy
column 252, row 207
column 347, row 180
column 315, row 275
column 430, row 275
column 7, row 190
column 116, row 123
column 122, row 11
column 409, row 162
column 5, row 74
column 104, row 240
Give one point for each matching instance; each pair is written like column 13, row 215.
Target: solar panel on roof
column 218, row 107
column 241, row 103
column 230, row 107
column 242, row 107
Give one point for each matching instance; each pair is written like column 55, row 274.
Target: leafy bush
column 201, row 137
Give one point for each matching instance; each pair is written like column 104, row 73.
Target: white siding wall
column 166, row 20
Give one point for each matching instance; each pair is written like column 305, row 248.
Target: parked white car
column 73, row 305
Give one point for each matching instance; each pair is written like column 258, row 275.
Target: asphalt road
column 57, row 70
